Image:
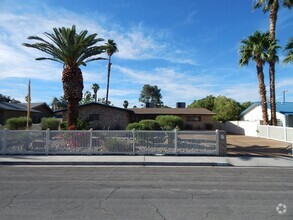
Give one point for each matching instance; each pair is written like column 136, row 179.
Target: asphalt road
column 145, row 193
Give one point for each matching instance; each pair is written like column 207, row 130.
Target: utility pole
column 28, row 99
column 284, row 96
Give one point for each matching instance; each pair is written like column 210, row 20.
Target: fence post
column 91, row 141
column 218, row 141
column 133, row 139
column 175, row 141
column 4, row 141
column 47, row 141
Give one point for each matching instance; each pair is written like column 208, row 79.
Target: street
column 72, row 192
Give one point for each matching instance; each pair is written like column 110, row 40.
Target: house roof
column 172, row 111
column 14, row 107
column 97, row 104
column 35, row 105
column 282, row 107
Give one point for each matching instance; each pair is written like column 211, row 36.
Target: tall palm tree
column 289, row 48
column 256, row 47
column 273, row 7
column 95, row 88
column 111, row 48
column 72, row 49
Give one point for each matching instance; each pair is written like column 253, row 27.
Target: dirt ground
column 240, row 145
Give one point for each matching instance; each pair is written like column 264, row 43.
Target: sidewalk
column 243, row 161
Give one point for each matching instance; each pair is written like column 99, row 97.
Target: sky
column 188, row 48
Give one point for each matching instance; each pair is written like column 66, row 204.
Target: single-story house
column 11, row 110
column 284, row 112
column 102, row 117
column 193, row 118
column 109, row 117
column 43, row 108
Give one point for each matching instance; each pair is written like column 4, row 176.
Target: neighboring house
column 193, row 118
column 43, row 108
column 284, row 113
column 11, row 110
column 102, row 117
column 109, row 117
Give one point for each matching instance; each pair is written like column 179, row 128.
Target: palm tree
column 111, row 48
column 273, row 7
column 95, row 88
column 255, row 48
column 72, row 50
column 289, row 48
column 125, row 104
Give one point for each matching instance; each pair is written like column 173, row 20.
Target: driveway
column 240, row 145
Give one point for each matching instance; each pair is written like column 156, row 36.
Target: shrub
column 150, row 124
column 17, row 123
column 50, row 123
column 136, row 126
column 63, row 125
column 209, row 126
column 170, row 122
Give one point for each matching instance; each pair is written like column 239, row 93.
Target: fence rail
column 94, row 142
column 275, row 132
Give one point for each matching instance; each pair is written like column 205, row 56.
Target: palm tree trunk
column 272, row 94
column 72, row 86
column 273, row 20
column 108, row 79
column 96, row 92
column 262, row 92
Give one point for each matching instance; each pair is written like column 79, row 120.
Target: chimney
column 180, row 105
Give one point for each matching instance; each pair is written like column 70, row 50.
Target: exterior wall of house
column 256, row 115
column 102, row 117
column 6, row 114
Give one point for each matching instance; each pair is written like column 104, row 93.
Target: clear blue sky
column 187, row 48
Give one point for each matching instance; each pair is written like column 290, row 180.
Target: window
column 196, row 118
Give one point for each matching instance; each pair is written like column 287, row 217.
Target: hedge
column 17, row 123
column 170, row 122
column 50, row 123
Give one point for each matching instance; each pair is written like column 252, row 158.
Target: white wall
column 256, row 115
column 248, row 128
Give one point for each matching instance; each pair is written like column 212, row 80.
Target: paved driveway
column 240, row 145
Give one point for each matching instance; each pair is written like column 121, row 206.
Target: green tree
column 207, row 102
column 72, row 49
column 58, row 103
column 151, row 94
column 226, row 109
column 273, row 7
column 245, row 105
column 125, row 104
column 257, row 47
column 289, row 49
column 87, row 98
column 103, row 101
column 4, row 98
column 95, row 88
column 111, row 48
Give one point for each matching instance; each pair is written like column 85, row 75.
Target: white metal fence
column 275, row 132
column 94, row 142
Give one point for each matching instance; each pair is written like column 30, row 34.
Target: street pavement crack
column 157, row 210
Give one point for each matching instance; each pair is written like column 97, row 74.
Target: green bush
column 170, row 122
column 136, row 126
column 63, row 125
column 50, row 123
column 150, row 124
column 17, row 123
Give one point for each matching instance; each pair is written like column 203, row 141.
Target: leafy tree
column 4, row 98
column 258, row 47
column 103, row 101
column 289, row 49
column 273, row 7
column 151, row 94
column 72, row 49
column 125, row 104
column 87, row 98
column 245, row 105
column 111, row 48
column 207, row 102
column 95, row 89
column 58, row 103
column 226, row 109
